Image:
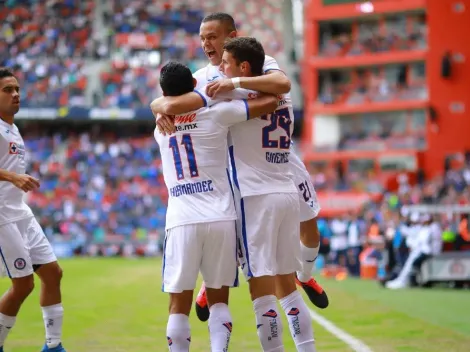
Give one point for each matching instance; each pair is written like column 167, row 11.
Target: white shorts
column 309, row 206
column 207, row 247
column 22, row 245
column 268, row 229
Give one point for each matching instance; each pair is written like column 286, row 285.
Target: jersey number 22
column 188, row 145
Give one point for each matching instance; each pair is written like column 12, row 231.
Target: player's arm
column 272, row 82
column 236, row 111
column 24, row 182
column 264, row 104
column 178, row 105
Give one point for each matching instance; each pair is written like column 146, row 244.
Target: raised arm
column 178, row 105
column 272, row 82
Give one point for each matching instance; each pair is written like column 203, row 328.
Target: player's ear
column 232, row 34
column 245, row 68
column 194, row 82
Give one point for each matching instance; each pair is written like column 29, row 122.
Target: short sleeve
column 229, row 113
column 270, row 64
column 203, row 96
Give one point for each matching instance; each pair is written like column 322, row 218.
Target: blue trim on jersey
column 5, row 263
column 234, row 169
column 245, row 241
column 247, row 109
column 202, row 96
column 235, row 283
column 231, row 186
column 163, row 266
column 274, row 69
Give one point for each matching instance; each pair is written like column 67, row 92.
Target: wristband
column 236, row 82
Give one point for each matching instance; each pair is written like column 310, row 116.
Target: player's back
column 259, row 149
column 195, row 170
column 12, row 158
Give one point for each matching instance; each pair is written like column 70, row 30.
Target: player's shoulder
column 200, row 72
column 270, row 63
column 268, row 58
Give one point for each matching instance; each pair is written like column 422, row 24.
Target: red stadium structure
column 418, row 127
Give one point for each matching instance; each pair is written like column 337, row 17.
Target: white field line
column 355, row 344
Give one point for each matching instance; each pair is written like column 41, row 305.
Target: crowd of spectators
column 389, row 225
column 50, row 44
column 96, row 187
column 403, row 82
column 397, row 33
column 45, row 42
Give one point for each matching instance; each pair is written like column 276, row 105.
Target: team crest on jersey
column 13, row 148
column 20, row 263
column 16, row 149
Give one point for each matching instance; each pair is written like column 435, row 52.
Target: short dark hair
column 222, row 17
column 6, row 72
column 176, row 79
column 247, row 49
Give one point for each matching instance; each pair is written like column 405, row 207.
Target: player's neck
column 8, row 119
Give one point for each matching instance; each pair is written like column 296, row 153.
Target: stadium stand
column 102, row 182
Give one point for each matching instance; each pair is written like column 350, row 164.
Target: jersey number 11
column 188, row 145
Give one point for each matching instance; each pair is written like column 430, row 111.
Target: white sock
column 308, row 256
column 300, row 322
column 178, row 333
column 53, row 317
column 268, row 323
column 220, row 327
column 6, row 323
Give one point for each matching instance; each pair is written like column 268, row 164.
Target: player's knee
column 50, row 274
column 22, row 287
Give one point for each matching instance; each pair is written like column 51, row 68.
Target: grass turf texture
column 116, row 305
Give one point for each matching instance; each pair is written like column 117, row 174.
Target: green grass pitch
column 117, row 305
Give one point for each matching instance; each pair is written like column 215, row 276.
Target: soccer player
column 200, row 222
column 215, row 30
column 269, row 209
column 24, row 249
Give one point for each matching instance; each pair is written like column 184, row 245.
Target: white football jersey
column 195, row 161
column 259, row 149
column 211, row 73
column 12, row 158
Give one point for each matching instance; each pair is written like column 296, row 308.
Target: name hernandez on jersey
column 13, row 159
column 195, row 161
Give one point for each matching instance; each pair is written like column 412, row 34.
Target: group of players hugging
column 238, row 197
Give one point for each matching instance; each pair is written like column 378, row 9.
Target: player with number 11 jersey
column 200, row 225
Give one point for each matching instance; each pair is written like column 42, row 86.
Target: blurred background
column 380, row 92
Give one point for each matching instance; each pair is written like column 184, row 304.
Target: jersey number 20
column 188, row 145
column 279, row 119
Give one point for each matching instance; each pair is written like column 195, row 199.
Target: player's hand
column 219, row 86
column 25, row 182
column 165, row 124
